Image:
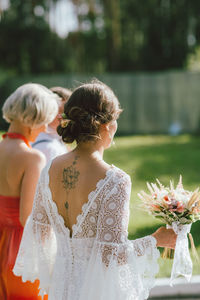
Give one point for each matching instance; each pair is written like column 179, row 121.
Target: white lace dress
column 98, row 262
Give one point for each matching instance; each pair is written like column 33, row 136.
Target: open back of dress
column 98, row 261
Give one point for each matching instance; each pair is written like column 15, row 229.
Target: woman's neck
column 18, row 127
column 90, row 150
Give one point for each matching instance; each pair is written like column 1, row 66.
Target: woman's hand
column 165, row 237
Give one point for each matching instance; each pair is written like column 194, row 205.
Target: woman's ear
column 105, row 127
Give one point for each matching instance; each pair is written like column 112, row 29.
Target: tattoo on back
column 66, row 205
column 70, row 176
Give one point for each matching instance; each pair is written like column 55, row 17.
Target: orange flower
column 155, row 207
column 166, row 198
column 180, row 209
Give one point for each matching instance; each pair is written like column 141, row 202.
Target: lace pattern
column 86, row 225
column 98, row 257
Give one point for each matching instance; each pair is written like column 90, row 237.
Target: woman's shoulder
column 33, row 156
column 119, row 185
column 29, row 159
column 57, row 163
column 120, row 174
column 111, row 171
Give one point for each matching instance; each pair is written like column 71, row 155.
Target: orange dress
column 11, row 286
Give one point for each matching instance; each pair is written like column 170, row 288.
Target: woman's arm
column 113, row 224
column 34, row 163
column 124, row 269
column 38, row 240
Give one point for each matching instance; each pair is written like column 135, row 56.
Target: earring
column 112, row 142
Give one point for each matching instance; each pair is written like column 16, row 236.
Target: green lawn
column 146, row 158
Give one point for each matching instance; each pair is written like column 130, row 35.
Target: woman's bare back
column 20, row 168
column 71, row 179
column 12, row 166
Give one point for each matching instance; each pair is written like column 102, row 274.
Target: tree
column 154, row 36
column 112, row 35
column 26, row 41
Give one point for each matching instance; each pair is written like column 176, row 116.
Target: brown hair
column 89, row 106
column 63, row 93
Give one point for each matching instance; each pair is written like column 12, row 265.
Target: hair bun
column 89, row 106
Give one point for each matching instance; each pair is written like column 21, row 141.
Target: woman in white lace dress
column 75, row 240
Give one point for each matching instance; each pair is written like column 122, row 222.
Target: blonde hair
column 32, row 104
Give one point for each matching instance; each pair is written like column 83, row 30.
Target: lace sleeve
column 124, row 269
column 112, row 229
column 114, row 218
column 38, row 243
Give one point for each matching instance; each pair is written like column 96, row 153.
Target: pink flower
column 177, row 206
column 180, row 209
column 155, row 207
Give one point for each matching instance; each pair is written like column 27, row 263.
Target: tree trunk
column 113, row 28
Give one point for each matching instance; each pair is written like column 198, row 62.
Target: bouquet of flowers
column 178, row 208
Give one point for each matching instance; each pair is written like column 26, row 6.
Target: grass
column 146, row 158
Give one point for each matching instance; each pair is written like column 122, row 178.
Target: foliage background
column 111, row 36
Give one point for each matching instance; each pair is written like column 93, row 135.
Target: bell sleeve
column 119, row 268
column 37, row 250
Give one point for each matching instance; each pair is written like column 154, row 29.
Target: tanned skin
column 70, row 178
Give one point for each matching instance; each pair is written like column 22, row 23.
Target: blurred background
column 148, row 52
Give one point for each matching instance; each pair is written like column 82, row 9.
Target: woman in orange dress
column 28, row 110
